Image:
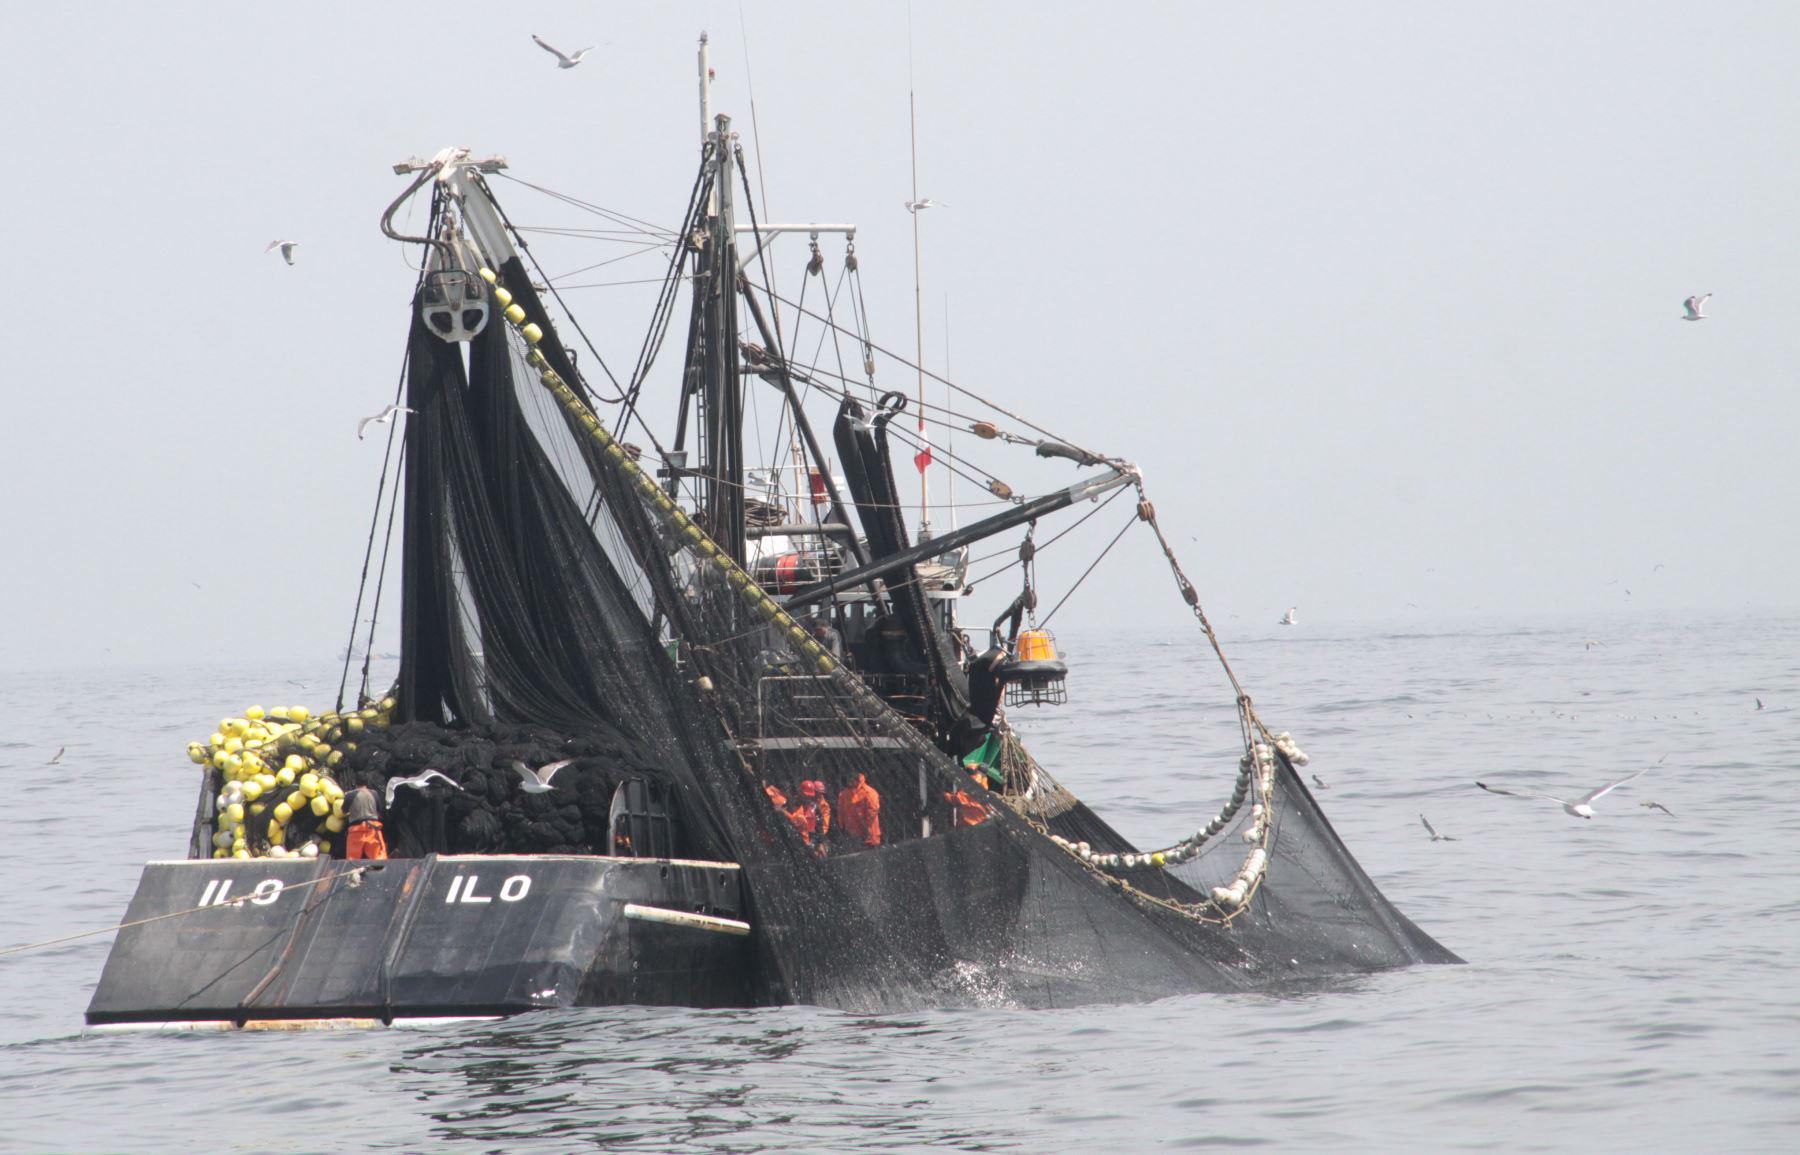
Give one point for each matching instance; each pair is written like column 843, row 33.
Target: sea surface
column 1631, row 981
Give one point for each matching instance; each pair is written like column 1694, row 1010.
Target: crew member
column 859, row 811
column 966, row 809
column 827, row 636
column 365, row 839
column 812, row 817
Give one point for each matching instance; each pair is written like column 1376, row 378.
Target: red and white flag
column 922, row 458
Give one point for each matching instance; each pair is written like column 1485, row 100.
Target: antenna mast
column 705, row 92
column 924, row 458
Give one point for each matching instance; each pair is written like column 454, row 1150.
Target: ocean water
column 1631, row 981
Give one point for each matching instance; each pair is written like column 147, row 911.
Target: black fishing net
column 558, row 604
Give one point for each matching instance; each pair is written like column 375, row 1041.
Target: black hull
column 433, row 937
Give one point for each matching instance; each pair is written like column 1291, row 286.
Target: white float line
column 686, row 918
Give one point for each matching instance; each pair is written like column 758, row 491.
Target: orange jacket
column 859, row 810
column 969, row 812
column 806, row 820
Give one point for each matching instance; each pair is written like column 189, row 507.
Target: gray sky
column 1384, row 299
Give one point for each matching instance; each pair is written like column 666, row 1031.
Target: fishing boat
column 684, row 717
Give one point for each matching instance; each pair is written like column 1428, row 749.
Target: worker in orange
column 365, row 839
column 812, row 817
column 968, row 810
column 813, row 793
column 859, row 812
column 805, row 819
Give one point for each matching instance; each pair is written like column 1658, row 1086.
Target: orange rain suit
column 859, row 811
column 366, row 841
column 969, row 812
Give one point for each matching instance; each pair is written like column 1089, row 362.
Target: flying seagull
column 418, row 781
column 918, row 206
column 382, row 418
column 537, row 781
column 287, row 249
column 1582, row 807
column 1319, row 782
column 56, row 757
column 1288, row 618
column 1696, row 307
column 1435, row 836
column 1657, row 806
column 563, row 59
column 1759, row 703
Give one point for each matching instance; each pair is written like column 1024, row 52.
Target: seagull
column 537, row 781
column 382, row 418
column 1658, row 806
column 1696, row 307
column 1759, row 703
column 563, row 60
column 56, row 757
column 1319, row 782
column 287, row 249
column 418, row 781
column 1288, row 618
column 1590, row 643
column 918, row 206
column 1580, row 808
column 1435, row 836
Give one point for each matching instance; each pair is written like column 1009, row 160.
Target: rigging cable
column 1041, row 548
column 968, row 393
column 1089, row 569
column 247, row 896
column 642, row 226
column 524, row 247
column 658, row 330
column 387, row 543
column 380, row 490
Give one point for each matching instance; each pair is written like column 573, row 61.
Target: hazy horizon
column 1384, row 302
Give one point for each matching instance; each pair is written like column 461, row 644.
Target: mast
column 912, row 109
column 705, row 91
column 721, row 389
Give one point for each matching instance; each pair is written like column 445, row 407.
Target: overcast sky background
column 1384, row 299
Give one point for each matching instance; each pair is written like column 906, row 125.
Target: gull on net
column 1582, row 807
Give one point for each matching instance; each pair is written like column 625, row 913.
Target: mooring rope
column 248, row 895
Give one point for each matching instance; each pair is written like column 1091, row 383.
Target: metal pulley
column 453, row 298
